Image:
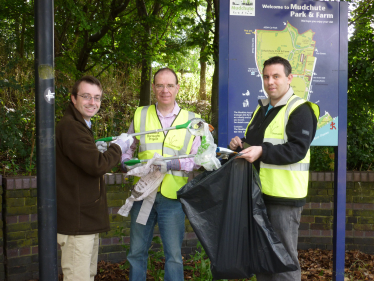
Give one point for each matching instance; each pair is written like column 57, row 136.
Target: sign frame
column 340, row 149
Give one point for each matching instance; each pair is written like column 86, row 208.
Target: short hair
column 279, row 60
column 88, row 79
column 165, row 69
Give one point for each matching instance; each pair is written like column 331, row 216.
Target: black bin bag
column 227, row 212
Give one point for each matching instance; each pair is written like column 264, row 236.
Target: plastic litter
column 227, row 212
column 222, row 150
column 206, row 153
column 145, row 188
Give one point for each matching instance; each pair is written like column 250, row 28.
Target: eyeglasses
column 160, row 87
column 88, row 97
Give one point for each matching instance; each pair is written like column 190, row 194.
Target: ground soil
column 315, row 265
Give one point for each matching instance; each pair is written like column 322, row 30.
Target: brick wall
column 111, row 248
column 20, row 228
column 316, row 228
column 18, row 234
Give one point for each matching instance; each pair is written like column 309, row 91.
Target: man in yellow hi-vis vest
column 279, row 135
column 167, row 210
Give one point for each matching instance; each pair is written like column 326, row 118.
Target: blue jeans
column 169, row 215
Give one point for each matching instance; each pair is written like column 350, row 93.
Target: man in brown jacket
column 82, row 211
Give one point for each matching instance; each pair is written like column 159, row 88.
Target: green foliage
column 105, row 38
column 360, row 140
column 201, row 33
column 111, row 39
column 121, row 97
column 322, row 158
column 198, row 264
column 17, row 144
column 360, row 129
column 187, row 97
column 126, row 247
column 16, row 29
column 17, row 121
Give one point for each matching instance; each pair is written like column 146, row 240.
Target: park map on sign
column 299, row 50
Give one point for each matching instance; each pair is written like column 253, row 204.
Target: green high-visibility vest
column 176, row 142
column 289, row 181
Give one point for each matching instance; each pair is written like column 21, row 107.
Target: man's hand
column 251, row 154
column 235, row 143
column 124, row 141
column 102, row 146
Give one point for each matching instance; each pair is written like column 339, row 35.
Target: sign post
column 313, row 36
column 45, row 134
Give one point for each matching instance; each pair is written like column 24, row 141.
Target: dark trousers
column 285, row 221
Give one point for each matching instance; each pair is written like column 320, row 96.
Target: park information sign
column 304, row 32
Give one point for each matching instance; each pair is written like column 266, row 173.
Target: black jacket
column 300, row 130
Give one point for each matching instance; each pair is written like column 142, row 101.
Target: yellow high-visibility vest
column 288, row 181
column 176, row 142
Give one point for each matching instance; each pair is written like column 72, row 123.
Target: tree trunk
column 203, row 57
column 16, row 29
column 91, row 40
column 146, row 76
column 202, row 90
column 214, row 98
column 145, row 83
column 22, row 40
column 84, row 55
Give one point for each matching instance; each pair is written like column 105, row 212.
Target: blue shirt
column 88, row 123
column 269, row 107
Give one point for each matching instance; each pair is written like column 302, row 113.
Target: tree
column 361, row 51
column 17, row 34
column 146, row 20
column 85, row 33
column 361, row 87
column 214, row 102
column 203, row 39
column 206, row 35
column 159, row 37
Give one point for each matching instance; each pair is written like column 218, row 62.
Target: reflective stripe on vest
column 176, row 142
column 288, row 181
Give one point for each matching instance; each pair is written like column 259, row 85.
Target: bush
column 322, row 158
column 121, row 98
column 360, row 142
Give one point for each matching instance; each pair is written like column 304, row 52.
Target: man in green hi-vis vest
column 166, row 211
column 279, row 135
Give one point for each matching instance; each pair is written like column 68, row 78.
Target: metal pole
column 45, row 133
column 340, row 175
